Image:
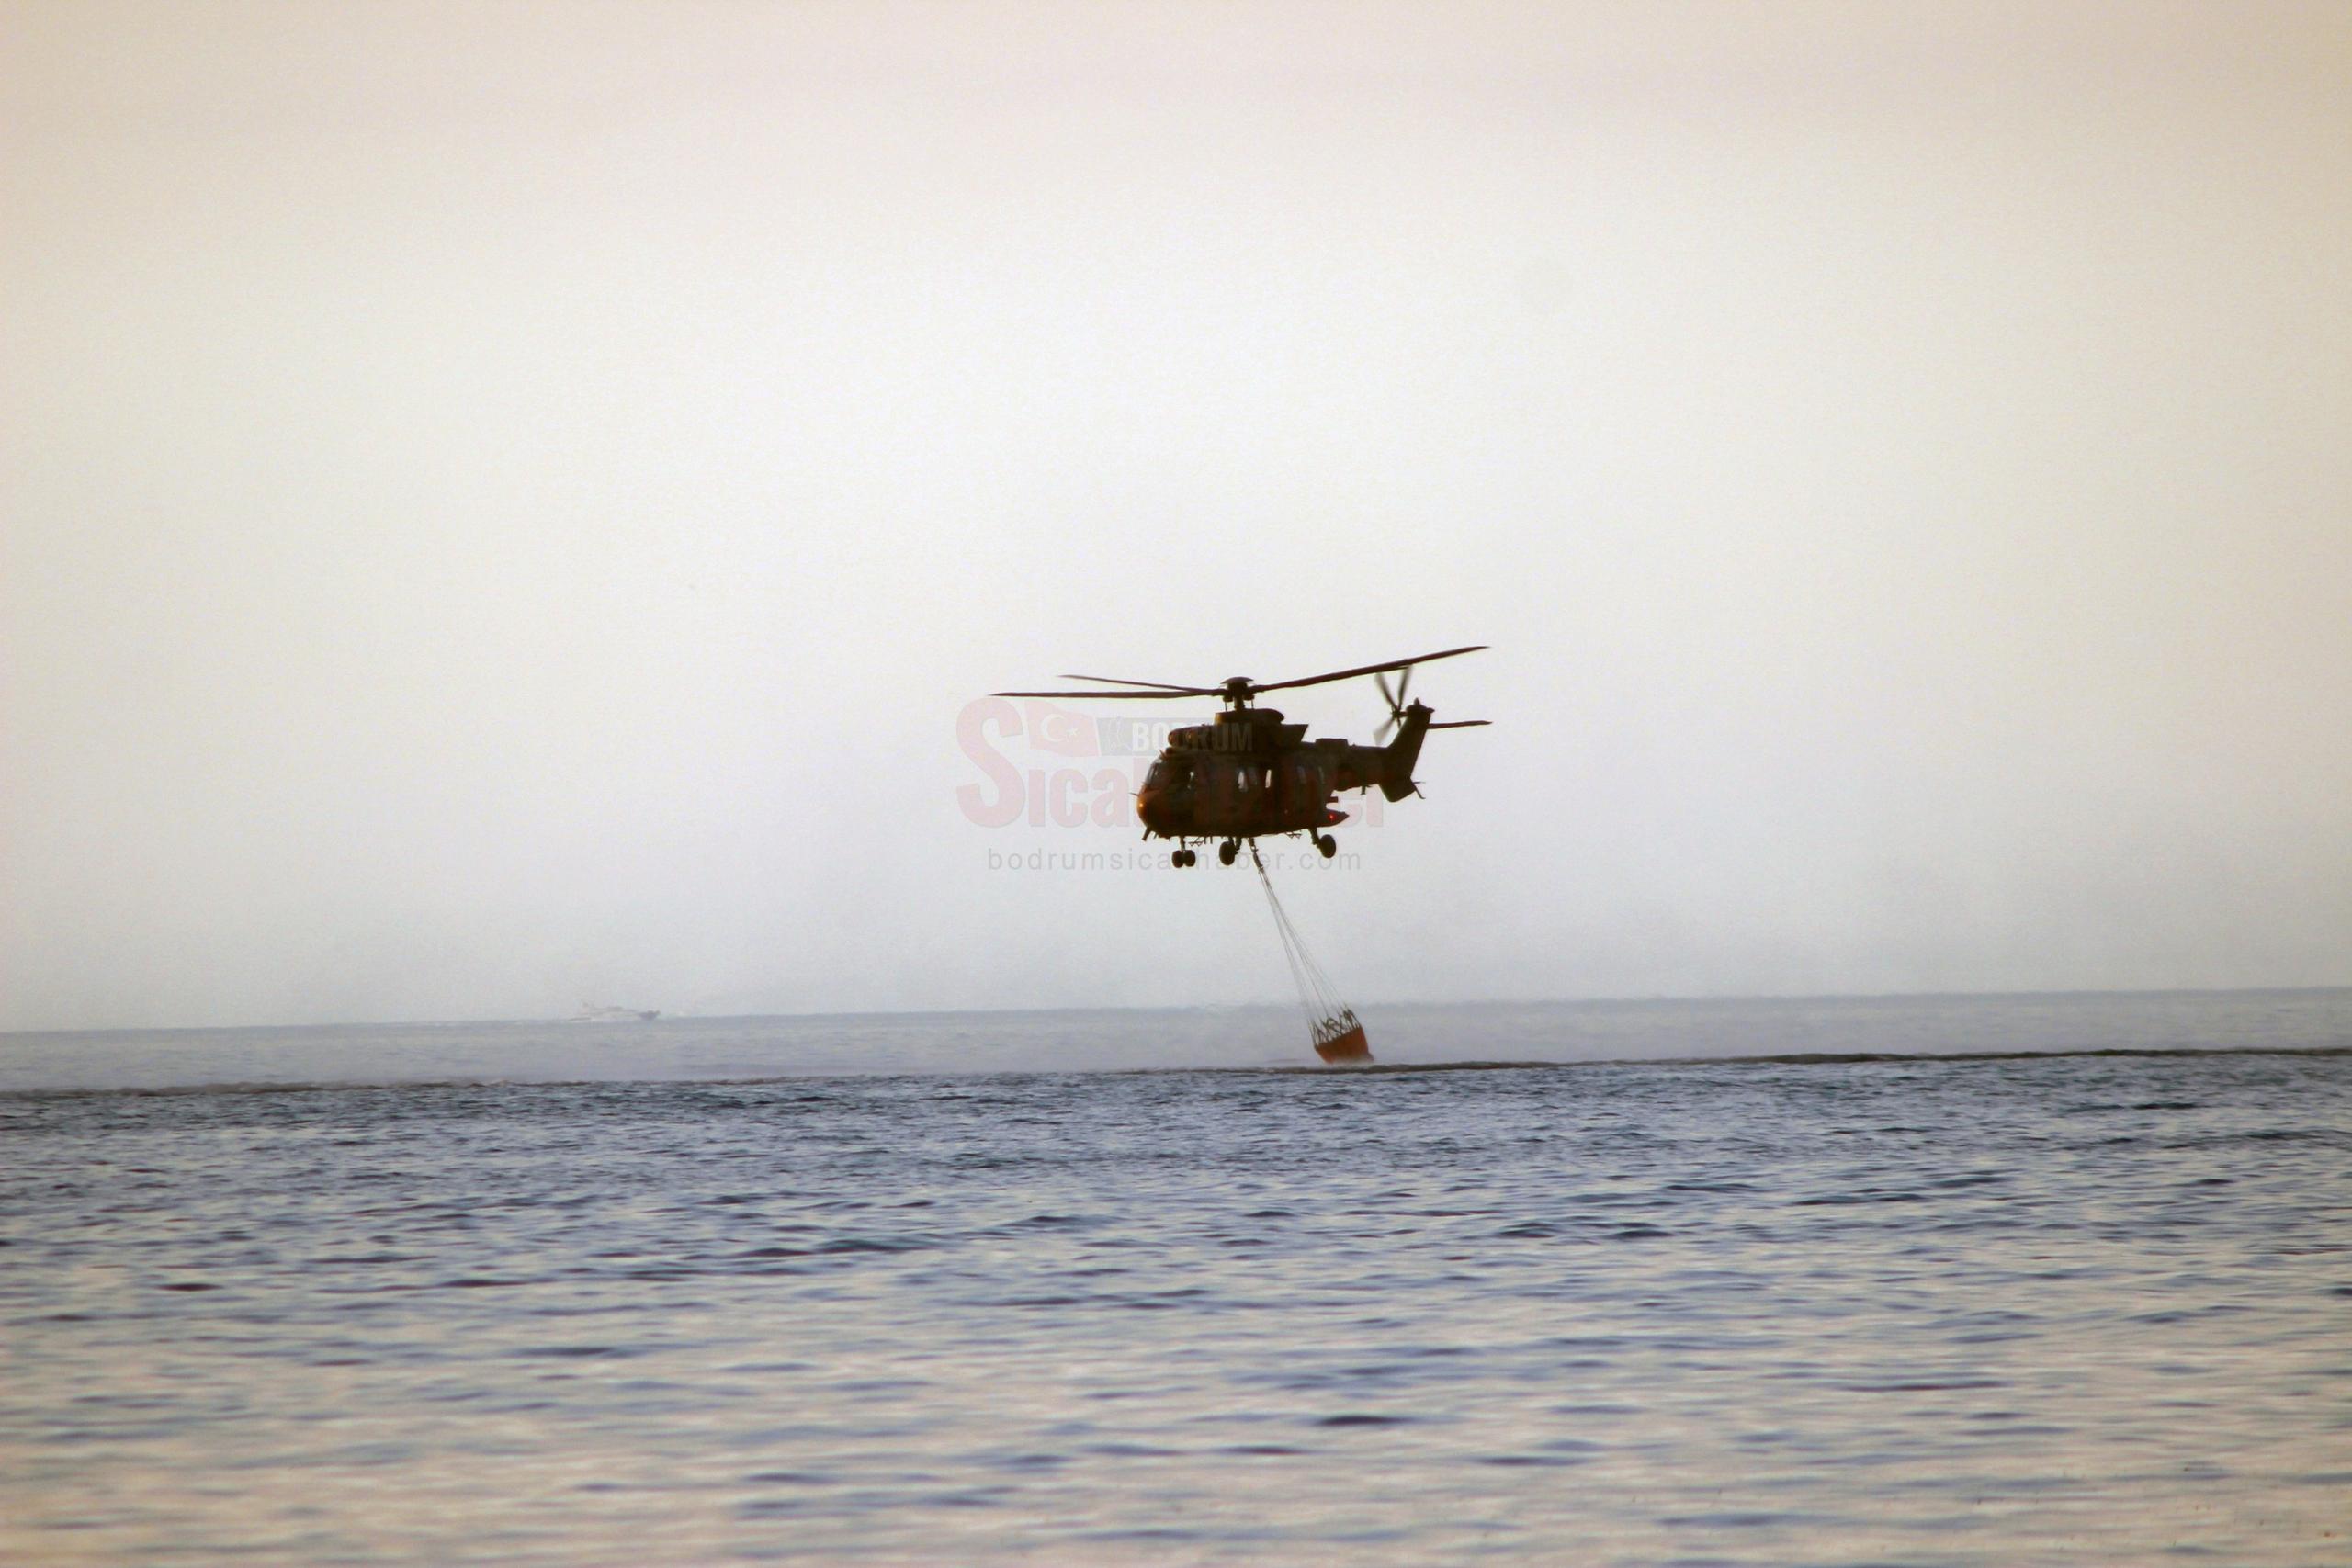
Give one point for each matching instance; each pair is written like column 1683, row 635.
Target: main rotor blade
column 1462, row 724
column 1168, row 696
column 1114, row 681
column 1362, row 670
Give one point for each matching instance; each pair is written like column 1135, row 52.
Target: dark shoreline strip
column 1377, row 1069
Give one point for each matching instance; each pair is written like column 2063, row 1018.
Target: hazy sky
column 505, row 504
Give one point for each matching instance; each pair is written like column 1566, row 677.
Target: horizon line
column 1643, row 1000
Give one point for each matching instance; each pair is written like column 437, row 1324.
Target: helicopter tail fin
column 1397, row 758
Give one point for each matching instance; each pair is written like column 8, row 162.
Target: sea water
column 1765, row 1288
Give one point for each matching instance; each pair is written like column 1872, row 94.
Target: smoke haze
column 505, row 506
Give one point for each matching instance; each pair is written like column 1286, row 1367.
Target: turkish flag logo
column 1060, row 731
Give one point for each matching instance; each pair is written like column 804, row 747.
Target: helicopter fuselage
column 1247, row 775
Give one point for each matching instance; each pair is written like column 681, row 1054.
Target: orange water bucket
column 1346, row 1046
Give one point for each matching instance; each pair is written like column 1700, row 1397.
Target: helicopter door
column 1252, row 793
column 1303, row 791
column 1220, row 787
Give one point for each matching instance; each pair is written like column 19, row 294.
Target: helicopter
column 1248, row 775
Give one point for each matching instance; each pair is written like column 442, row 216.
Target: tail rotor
column 1395, row 701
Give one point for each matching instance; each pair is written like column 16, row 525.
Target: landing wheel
column 1227, row 850
column 1181, row 858
column 1327, row 844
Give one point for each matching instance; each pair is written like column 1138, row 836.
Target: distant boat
column 591, row 1013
